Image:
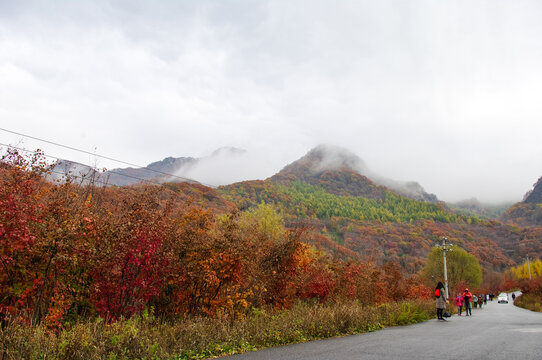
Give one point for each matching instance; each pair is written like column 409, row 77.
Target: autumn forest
column 73, row 251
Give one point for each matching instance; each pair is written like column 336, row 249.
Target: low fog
column 446, row 94
column 226, row 166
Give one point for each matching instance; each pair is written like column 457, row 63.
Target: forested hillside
column 350, row 215
column 72, row 252
column 394, row 228
column 529, row 211
column 184, row 247
column 69, row 252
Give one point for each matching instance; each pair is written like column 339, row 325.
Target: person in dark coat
column 441, row 301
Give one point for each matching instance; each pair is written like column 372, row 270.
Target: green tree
column 463, row 268
column 264, row 223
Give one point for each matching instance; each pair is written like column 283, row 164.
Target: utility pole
column 445, row 247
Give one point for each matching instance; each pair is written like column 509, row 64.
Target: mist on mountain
column 475, row 207
column 529, row 211
column 226, row 165
column 327, row 157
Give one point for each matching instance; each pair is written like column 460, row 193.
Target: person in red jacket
column 467, row 301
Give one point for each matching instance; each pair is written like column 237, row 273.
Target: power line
column 101, row 156
column 77, row 163
column 90, row 167
column 94, row 180
column 81, row 177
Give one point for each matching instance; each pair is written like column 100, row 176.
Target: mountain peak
column 228, row 150
column 336, row 169
column 535, row 195
column 331, row 157
column 169, row 164
column 319, row 163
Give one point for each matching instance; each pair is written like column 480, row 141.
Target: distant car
column 503, row 298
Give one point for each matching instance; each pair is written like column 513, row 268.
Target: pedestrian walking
column 459, row 303
column 467, row 302
column 440, row 295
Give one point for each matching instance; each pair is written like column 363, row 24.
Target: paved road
column 497, row 331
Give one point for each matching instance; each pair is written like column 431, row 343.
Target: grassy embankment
column 529, row 301
column 146, row 338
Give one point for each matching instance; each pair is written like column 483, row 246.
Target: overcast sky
column 446, row 93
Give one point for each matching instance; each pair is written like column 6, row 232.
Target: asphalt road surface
column 497, row 331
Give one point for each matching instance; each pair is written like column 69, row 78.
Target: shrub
column 144, row 337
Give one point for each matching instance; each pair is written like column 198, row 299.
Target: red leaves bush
column 69, row 251
column 533, row 286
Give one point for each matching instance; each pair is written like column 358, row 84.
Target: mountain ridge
column 324, row 163
column 528, row 212
column 349, row 214
column 169, row 169
column 534, row 196
column 321, row 162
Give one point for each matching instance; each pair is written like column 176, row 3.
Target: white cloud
column 444, row 93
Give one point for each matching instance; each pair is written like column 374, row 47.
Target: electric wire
column 94, row 180
column 81, row 177
column 101, row 156
column 90, row 167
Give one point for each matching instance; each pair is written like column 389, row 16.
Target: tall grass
column 530, row 302
column 147, row 338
